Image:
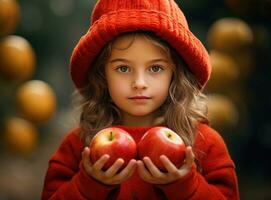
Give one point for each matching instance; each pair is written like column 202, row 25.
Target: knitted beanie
column 164, row 18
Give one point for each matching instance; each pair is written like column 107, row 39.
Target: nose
column 139, row 81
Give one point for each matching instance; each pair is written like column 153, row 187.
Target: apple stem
column 111, row 136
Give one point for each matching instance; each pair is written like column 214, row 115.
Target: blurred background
column 37, row 96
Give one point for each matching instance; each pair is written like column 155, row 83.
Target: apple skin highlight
column 162, row 141
column 115, row 142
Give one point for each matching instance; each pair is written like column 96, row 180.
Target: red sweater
column 67, row 179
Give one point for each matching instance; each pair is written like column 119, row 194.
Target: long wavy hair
column 184, row 107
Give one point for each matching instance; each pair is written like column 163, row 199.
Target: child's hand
column 111, row 175
column 153, row 175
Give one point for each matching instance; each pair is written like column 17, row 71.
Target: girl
column 137, row 67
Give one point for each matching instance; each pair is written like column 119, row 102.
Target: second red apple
column 162, row 141
column 115, row 142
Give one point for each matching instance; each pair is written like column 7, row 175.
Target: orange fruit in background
column 21, row 136
column 17, row 58
column 36, row 100
column 229, row 35
column 225, row 72
column 222, row 112
column 9, row 16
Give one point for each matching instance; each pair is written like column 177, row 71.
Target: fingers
column 190, row 157
column 132, row 170
column 98, row 165
column 142, row 171
column 189, row 160
column 114, row 168
column 86, row 158
column 171, row 168
column 115, row 178
column 152, row 168
column 129, row 169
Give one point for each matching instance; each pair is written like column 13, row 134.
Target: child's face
column 138, row 77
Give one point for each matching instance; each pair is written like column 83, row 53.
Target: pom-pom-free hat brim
column 114, row 23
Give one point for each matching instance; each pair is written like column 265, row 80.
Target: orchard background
column 38, row 105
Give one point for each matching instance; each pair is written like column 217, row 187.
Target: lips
column 139, row 97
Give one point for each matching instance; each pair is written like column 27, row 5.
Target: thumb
column 190, row 157
column 86, row 157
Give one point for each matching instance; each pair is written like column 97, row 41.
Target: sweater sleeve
column 218, row 181
column 66, row 177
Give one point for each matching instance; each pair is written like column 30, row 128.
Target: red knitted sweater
column 66, row 178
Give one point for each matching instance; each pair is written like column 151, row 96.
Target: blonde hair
column 182, row 110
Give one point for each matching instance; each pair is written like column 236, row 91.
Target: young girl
column 138, row 67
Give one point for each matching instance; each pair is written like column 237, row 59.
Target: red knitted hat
column 164, row 18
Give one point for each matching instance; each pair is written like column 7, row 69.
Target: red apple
column 115, row 142
column 162, row 141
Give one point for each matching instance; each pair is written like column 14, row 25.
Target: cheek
column 116, row 87
column 162, row 85
column 162, row 89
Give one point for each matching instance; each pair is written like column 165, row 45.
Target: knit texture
column 164, row 18
column 67, row 179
